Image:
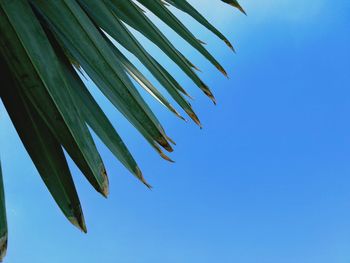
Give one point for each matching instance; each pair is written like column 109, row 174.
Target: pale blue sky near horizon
column 266, row 180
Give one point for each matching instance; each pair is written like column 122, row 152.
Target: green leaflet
column 3, row 222
column 187, row 8
column 143, row 81
column 39, row 72
column 132, row 15
column 44, row 150
column 104, row 17
column 73, row 28
column 185, row 105
column 158, row 8
column 96, row 119
column 115, row 28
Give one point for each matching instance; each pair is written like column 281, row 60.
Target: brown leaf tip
column 105, row 183
column 165, row 157
column 3, row 246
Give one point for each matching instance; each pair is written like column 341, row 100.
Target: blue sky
column 266, row 180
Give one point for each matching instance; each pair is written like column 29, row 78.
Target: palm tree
column 45, row 46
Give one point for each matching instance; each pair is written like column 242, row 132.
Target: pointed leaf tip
column 79, row 222
column 105, row 183
column 235, row 4
column 3, row 247
column 140, row 176
column 165, row 157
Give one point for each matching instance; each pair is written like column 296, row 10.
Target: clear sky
column 266, row 181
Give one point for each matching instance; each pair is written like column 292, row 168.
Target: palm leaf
column 43, row 47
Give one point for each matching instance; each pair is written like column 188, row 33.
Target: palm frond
column 43, row 46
